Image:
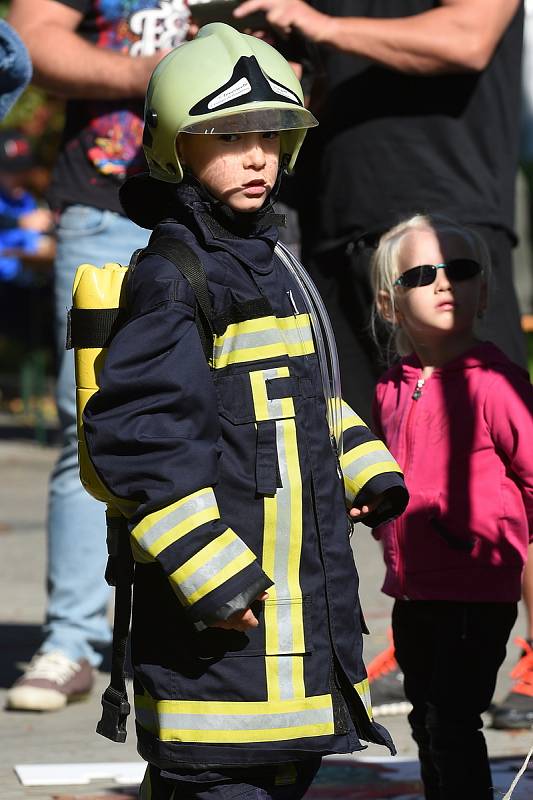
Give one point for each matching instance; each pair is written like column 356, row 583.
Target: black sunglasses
column 458, row 269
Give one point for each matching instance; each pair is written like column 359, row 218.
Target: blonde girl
column 457, row 415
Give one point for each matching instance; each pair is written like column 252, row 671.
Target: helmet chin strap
column 244, row 221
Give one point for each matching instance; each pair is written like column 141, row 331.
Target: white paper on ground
column 123, row 772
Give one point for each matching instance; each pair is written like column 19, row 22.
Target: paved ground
column 68, row 737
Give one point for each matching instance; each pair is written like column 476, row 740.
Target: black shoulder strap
column 188, row 263
column 95, row 327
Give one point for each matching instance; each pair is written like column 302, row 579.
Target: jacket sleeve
column 369, row 470
column 152, row 434
column 508, row 411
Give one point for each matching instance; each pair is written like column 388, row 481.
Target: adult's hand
column 287, row 16
column 66, row 64
column 453, row 36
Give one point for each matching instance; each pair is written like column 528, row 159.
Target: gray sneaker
column 50, row 681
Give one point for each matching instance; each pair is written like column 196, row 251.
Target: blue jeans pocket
column 85, row 220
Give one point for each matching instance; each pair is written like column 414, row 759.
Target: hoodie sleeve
column 508, row 411
column 369, row 470
column 152, row 435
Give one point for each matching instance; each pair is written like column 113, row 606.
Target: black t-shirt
column 102, row 140
column 390, row 144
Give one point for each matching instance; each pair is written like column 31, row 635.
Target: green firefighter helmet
column 223, row 81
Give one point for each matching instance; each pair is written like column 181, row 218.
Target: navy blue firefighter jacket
column 236, row 489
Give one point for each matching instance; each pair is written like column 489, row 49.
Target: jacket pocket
column 433, row 536
column 451, row 524
column 266, row 399
column 285, row 628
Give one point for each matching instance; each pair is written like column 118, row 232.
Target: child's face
column 239, row 168
column 444, row 306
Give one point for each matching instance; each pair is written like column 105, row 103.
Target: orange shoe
column 516, row 711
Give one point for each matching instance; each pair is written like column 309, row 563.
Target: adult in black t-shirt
column 419, row 112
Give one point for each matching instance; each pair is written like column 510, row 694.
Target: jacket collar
column 250, row 238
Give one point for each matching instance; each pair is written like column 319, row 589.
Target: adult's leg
column 342, row 278
column 527, row 592
column 468, row 642
column 501, row 323
column 76, row 620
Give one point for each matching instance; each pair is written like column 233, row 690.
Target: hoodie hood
column 481, row 355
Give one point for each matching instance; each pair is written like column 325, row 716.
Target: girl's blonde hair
column 384, row 271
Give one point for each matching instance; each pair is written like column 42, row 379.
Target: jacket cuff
column 240, row 602
column 363, row 464
column 213, row 576
column 393, row 502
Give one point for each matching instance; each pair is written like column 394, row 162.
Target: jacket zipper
column 416, row 395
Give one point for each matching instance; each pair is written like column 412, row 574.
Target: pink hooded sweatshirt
column 466, row 449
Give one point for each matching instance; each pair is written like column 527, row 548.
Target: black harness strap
column 188, row 263
column 119, row 573
column 93, row 327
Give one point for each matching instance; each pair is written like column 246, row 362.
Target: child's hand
column 360, row 513
column 40, row 219
column 241, row 620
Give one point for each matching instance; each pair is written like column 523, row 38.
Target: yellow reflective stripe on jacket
column 282, row 546
column 235, row 722
column 349, row 418
column 212, row 566
column 266, row 337
column 364, row 462
column 265, row 408
column 164, row 527
column 363, row 690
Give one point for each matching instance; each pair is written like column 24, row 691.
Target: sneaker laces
column 384, row 663
column 523, row 671
column 53, row 666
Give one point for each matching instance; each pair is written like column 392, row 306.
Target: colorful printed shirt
column 102, row 140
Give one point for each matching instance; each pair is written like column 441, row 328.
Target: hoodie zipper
column 416, row 395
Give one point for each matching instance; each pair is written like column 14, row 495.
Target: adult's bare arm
column 66, row 64
column 456, row 36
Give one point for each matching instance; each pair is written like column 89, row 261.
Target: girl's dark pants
column 450, row 654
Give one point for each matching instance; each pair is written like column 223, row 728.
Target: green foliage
column 41, row 118
column 39, row 115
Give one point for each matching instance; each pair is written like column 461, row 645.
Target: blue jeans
column 76, row 619
column 275, row 782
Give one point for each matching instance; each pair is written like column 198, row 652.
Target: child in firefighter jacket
column 246, row 632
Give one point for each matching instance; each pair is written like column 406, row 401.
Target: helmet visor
column 254, row 121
